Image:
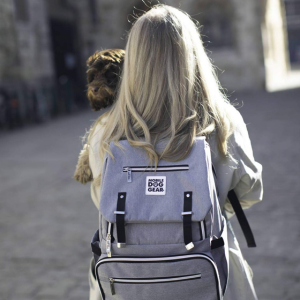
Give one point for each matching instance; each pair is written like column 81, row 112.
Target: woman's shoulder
column 238, row 141
column 239, row 171
column 235, row 117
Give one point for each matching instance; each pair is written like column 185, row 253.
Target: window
column 93, row 12
column 215, row 18
column 21, row 8
column 292, row 8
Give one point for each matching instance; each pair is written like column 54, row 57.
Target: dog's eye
column 111, row 77
column 90, row 77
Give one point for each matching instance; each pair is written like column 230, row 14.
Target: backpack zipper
column 169, row 168
column 150, row 280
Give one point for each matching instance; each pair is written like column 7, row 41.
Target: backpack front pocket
column 167, row 278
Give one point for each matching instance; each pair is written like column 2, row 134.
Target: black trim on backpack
column 239, row 214
column 187, row 219
column 120, row 219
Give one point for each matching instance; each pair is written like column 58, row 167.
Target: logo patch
column 156, row 185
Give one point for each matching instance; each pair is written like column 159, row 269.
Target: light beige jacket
column 244, row 176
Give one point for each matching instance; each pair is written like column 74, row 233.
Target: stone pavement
column 47, row 218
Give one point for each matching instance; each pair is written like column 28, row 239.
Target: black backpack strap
column 187, row 220
column 95, row 246
column 239, row 214
column 241, row 218
column 120, row 220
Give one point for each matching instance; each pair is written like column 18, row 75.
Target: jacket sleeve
column 247, row 175
column 95, row 189
column 95, row 163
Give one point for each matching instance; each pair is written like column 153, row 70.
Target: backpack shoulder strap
column 241, row 218
column 239, row 214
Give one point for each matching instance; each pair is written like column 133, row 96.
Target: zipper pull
column 129, row 178
column 112, row 286
column 108, row 241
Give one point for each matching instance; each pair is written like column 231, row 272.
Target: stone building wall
column 240, row 61
column 25, row 47
column 231, row 30
column 34, row 44
column 8, row 41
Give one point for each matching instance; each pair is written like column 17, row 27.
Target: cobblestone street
column 47, row 218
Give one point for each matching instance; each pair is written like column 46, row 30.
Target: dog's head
column 103, row 75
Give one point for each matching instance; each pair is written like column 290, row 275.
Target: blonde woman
column 169, row 92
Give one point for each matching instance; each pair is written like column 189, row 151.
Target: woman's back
column 169, row 92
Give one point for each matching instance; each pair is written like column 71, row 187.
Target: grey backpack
column 161, row 234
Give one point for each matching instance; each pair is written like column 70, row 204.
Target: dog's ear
column 113, row 55
column 93, row 58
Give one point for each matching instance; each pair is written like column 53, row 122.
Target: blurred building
column 44, row 45
column 43, row 48
column 292, row 8
column 254, row 44
column 230, row 30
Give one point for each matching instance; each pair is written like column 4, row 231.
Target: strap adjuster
column 189, row 246
column 186, row 213
column 119, row 212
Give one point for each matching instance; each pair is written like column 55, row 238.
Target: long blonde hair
column 168, row 90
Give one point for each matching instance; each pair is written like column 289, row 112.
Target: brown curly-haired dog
column 103, row 76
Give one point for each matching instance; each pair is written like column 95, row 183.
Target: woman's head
column 168, row 90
